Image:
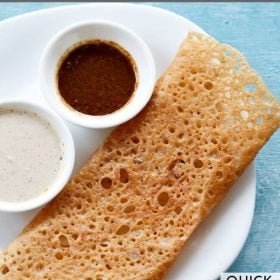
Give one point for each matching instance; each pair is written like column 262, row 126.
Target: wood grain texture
column 253, row 28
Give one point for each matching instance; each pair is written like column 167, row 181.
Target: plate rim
column 142, row 5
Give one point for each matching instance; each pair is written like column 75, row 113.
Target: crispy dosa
column 131, row 208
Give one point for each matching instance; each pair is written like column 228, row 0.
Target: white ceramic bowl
column 102, row 30
column 68, row 163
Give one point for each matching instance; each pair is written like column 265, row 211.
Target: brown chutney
column 97, row 77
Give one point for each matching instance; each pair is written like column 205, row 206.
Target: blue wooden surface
column 253, row 28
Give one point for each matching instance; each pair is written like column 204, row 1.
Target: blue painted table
column 253, row 28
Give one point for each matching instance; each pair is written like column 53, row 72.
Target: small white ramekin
column 102, row 30
column 68, row 162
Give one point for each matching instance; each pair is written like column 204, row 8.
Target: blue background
column 253, row 28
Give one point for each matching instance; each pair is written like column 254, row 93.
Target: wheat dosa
column 131, row 208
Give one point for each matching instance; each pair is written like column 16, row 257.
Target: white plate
column 217, row 242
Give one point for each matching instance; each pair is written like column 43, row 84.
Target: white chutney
column 31, row 155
